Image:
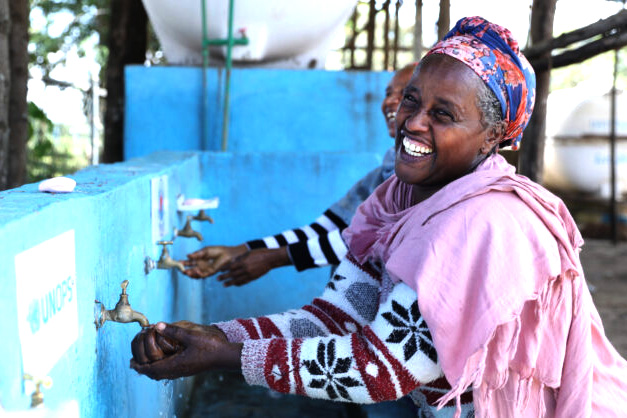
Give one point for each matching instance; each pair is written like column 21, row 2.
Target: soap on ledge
column 57, row 185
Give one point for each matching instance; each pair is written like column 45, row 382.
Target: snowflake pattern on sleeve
column 384, row 359
column 361, row 349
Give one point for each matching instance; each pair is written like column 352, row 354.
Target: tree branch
column 582, row 53
column 617, row 21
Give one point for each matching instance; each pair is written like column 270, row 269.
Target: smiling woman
column 442, row 134
column 462, row 285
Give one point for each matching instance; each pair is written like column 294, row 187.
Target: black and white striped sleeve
column 317, row 244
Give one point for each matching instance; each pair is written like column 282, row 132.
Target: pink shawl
column 494, row 260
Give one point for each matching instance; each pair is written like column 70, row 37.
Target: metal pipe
column 227, row 88
column 229, row 43
column 205, row 64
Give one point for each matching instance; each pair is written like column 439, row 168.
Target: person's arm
column 349, row 302
column 323, row 250
column 389, row 358
column 317, row 244
column 385, row 360
column 324, row 224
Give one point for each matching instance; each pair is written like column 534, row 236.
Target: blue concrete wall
column 260, row 193
column 110, row 215
column 271, row 110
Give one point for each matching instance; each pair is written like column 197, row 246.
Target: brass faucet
column 122, row 312
column 165, row 261
column 37, row 397
column 202, row 216
column 187, row 230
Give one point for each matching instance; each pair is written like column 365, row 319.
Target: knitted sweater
column 362, row 341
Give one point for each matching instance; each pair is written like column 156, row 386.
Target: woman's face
column 440, row 135
column 393, row 96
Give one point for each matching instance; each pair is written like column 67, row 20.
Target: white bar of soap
column 57, row 185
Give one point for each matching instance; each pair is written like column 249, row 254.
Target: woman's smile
column 415, row 148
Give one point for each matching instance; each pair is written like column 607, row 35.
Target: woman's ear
column 494, row 136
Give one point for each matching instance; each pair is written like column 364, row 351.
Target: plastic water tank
column 282, row 33
column 577, row 158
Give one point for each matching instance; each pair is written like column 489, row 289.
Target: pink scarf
column 494, row 260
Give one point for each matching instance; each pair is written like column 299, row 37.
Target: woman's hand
column 210, row 260
column 252, row 265
column 197, row 348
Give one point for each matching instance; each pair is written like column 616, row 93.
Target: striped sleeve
column 319, row 251
column 317, row 244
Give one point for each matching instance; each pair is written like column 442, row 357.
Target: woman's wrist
column 232, row 356
column 280, row 257
column 241, row 249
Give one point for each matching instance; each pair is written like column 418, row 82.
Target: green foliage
column 47, row 157
column 89, row 18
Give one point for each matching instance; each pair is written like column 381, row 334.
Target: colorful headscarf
column 491, row 52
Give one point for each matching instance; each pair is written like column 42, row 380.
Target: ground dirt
column 605, row 267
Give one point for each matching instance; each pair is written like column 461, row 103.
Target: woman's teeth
column 391, row 115
column 415, row 150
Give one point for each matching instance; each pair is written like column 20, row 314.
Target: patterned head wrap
column 491, row 52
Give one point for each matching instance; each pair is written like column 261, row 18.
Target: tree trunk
column 127, row 45
column 418, row 32
column 444, row 19
column 371, row 27
column 18, row 108
column 531, row 156
column 5, row 86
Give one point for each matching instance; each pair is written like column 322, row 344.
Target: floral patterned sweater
column 362, row 341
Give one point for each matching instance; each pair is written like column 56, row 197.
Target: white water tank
column 281, row 33
column 577, row 157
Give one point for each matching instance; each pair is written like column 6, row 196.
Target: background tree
column 417, row 45
column 5, row 86
column 444, row 18
column 18, row 110
column 128, row 38
column 532, row 149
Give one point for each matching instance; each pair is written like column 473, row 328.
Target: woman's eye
column 443, row 115
column 409, row 98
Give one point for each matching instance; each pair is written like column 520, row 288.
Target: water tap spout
column 187, row 230
column 202, row 216
column 122, row 312
column 167, row 262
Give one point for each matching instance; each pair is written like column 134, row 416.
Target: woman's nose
column 388, row 102
column 392, row 100
column 417, row 121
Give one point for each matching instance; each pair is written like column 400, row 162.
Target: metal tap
column 37, row 397
column 202, row 216
column 122, row 312
column 165, row 261
column 187, row 230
